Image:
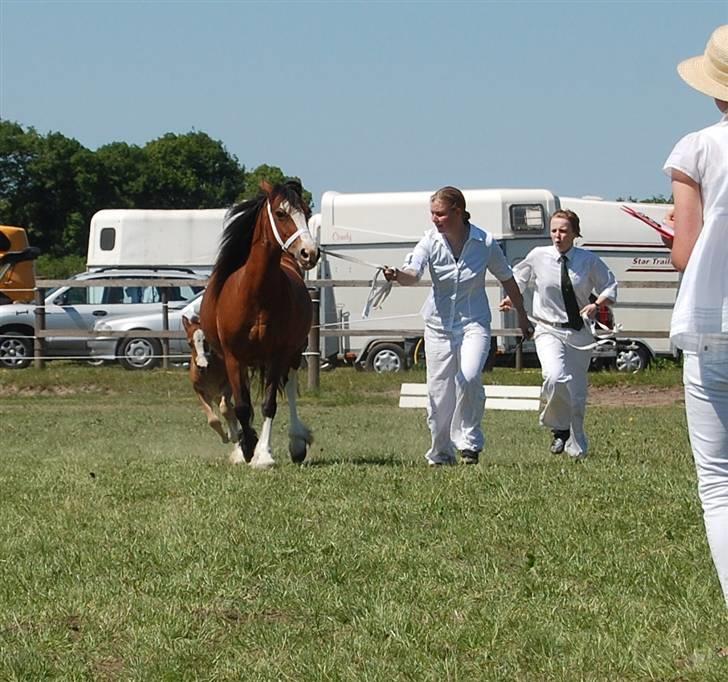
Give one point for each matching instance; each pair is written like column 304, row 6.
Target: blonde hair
column 453, row 197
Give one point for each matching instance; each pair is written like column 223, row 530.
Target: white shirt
column 541, row 269
column 458, row 293
column 701, row 309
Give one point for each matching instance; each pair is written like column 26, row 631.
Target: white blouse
column 458, row 293
column 701, row 309
column 541, row 269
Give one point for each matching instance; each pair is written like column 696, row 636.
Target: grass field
column 131, row 550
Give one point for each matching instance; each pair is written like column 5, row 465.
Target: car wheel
column 16, row 350
column 138, row 353
column 385, row 357
column 632, row 359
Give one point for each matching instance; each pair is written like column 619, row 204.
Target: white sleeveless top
column 700, row 315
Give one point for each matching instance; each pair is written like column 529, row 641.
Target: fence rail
column 165, row 334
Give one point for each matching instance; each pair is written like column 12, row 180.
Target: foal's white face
column 292, row 221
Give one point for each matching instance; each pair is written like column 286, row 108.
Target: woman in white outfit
column 698, row 166
column 564, row 277
column 457, row 322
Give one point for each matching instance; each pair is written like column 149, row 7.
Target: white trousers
column 564, row 370
column 456, row 399
column 705, row 376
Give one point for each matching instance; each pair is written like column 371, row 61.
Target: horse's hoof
column 236, row 456
column 250, row 443
column 262, row 464
column 297, row 452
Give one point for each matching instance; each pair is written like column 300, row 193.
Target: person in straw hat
column 698, row 166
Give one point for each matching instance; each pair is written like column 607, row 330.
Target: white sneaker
column 440, row 459
column 559, row 442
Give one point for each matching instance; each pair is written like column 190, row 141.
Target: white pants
column 564, row 370
column 456, row 400
column 705, row 376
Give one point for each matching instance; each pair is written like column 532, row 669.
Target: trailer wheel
column 632, row 358
column 385, row 357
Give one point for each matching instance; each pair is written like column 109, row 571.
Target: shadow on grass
column 362, row 461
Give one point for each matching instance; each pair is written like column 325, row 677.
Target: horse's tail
column 258, row 373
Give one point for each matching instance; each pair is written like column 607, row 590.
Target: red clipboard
column 662, row 229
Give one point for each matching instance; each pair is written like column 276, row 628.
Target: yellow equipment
column 17, row 271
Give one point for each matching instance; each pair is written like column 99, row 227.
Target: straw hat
column 709, row 72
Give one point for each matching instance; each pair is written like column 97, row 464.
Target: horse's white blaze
column 302, row 235
column 263, row 455
column 198, row 341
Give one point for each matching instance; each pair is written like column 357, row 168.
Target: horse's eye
column 280, row 213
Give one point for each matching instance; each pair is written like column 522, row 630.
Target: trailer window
column 107, row 238
column 527, row 218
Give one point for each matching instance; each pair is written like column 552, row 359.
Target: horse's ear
column 266, row 187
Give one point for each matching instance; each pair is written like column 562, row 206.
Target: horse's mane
column 239, row 225
column 237, row 238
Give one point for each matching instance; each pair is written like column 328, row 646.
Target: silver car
column 141, row 352
column 79, row 308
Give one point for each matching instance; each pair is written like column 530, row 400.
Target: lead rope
column 379, row 290
column 601, row 339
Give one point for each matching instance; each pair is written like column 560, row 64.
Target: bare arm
column 400, row 275
column 515, row 300
column 688, row 218
column 590, row 309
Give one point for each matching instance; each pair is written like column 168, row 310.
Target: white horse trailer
column 383, row 228
column 151, row 239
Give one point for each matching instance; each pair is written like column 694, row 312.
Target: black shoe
column 469, row 456
column 559, row 442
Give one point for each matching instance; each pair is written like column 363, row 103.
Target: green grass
column 131, row 550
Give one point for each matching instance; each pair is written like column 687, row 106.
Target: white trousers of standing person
column 564, row 370
column 705, row 376
column 456, row 399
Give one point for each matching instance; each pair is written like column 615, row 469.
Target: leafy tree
column 48, row 267
column 18, row 148
column 655, row 199
column 65, row 180
column 124, row 170
column 189, row 171
column 49, row 185
column 52, row 185
column 274, row 176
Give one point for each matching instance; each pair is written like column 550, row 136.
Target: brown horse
column 210, row 382
column 256, row 312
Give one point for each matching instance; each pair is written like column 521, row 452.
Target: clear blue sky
column 576, row 97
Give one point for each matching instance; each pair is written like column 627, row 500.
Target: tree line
column 52, row 185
